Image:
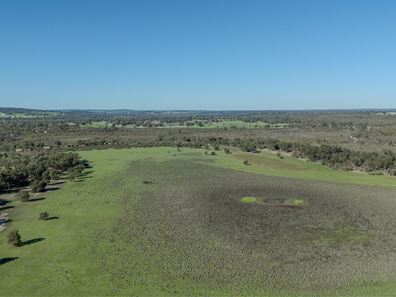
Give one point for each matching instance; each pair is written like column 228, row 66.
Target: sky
column 198, row 54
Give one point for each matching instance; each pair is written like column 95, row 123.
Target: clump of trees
column 249, row 146
column 330, row 155
column 37, row 169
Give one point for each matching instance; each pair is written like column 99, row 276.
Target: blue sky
column 198, row 54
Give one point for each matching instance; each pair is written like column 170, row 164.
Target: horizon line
column 193, row 110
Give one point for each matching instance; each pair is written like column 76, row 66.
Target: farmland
column 176, row 222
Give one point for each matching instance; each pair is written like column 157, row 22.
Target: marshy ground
column 202, row 227
column 341, row 235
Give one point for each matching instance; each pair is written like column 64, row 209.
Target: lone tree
column 14, row 238
column 23, row 196
column 43, row 216
column 227, row 151
column 245, row 162
column 38, row 186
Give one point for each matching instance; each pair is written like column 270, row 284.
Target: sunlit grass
column 248, row 199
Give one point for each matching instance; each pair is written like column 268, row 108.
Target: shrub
column 43, row 216
column 245, row 162
column 74, row 173
column 14, row 238
column 392, row 172
column 148, row 182
column 46, row 176
column 213, row 153
column 38, row 186
column 227, row 151
column 23, row 196
column 54, row 175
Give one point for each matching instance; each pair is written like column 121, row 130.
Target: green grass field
column 223, row 124
column 189, row 234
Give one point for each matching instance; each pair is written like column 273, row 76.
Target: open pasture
column 206, row 226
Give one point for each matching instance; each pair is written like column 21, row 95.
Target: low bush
column 43, row 216
column 38, row 186
column 14, row 238
column 23, row 196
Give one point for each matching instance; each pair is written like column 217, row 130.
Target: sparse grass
column 188, row 234
column 342, row 235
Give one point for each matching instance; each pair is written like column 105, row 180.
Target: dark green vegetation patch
column 194, row 230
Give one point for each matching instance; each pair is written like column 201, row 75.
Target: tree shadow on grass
column 87, row 174
column 6, row 207
column 52, row 218
column 50, row 189
column 32, row 241
column 57, row 183
column 81, row 179
column 36, row 199
column 84, row 175
column 3, row 202
column 6, row 260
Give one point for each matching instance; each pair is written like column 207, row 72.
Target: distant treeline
column 383, row 162
column 301, row 119
column 34, row 149
column 331, row 155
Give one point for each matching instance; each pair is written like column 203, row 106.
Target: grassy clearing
column 248, row 199
column 98, row 124
column 237, row 124
column 269, row 164
column 298, row 202
column 116, row 235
